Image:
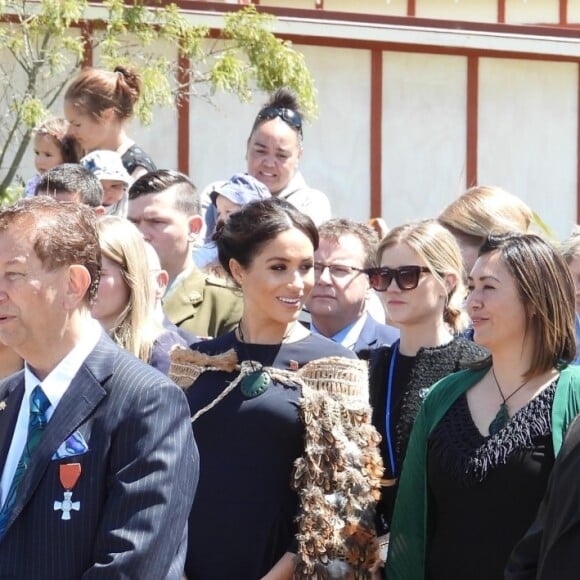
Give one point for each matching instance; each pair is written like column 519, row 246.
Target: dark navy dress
column 242, row 520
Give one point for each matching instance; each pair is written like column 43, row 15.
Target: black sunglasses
column 289, row 116
column 406, row 277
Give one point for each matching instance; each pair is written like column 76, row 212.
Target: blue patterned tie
column 39, row 403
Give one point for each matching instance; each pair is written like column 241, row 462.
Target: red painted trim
column 472, row 121
column 563, row 10
column 578, row 152
column 411, row 8
column 376, row 133
column 183, row 112
column 352, row 17
column 421, row 49
column 500, row 11
column 86, row 34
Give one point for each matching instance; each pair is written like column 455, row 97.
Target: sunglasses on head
column 406, row 277
column 289, row 116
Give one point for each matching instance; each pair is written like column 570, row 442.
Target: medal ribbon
column 69, row 475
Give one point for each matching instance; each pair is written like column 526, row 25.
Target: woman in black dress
column 484, row 441
column 420, row 279
column 287, row 433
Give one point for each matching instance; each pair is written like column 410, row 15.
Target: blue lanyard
column 388, row 406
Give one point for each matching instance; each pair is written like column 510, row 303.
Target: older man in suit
column 338, row 302
column 97, row 457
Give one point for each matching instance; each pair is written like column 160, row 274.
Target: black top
column 412, row 378
column 242, row 520
column 135, row 157
column 484, row 492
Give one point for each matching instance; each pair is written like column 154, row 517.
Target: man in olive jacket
column 165, row 206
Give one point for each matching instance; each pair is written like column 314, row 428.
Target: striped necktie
column 39, row 403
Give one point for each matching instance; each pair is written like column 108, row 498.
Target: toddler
column 52, row 147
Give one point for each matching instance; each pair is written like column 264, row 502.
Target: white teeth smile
column 289, row 300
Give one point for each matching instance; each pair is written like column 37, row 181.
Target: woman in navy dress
column 259, row 429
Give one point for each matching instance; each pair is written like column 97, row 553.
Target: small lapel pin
column 293, row 364
column 2, row 405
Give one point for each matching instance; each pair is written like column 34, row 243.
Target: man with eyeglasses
column 338, row 302
column 165, row 207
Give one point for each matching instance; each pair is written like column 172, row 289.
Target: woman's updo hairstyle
column 284, row 104
column 93, row 91
column 243, row 235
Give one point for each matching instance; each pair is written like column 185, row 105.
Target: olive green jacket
column 204, row 305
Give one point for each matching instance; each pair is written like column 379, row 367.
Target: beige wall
column 528, row 123
column 527, row 129
column 424, row 102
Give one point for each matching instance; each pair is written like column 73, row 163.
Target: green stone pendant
column 255, row 384
column 500, row 420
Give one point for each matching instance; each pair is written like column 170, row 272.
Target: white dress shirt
column 54, row 386
column 348, row 335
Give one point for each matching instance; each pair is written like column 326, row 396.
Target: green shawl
column 406, row 560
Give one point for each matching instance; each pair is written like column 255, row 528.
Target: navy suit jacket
column 374, row 334
column 137, row 482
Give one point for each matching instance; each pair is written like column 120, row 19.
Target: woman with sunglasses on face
column 291, row 468
column 273, row 152
column 421, row 284
column 483, row 444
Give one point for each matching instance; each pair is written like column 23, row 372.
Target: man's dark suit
column 374, row 334
column 137, row 481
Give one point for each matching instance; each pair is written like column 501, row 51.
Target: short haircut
column 244, row 234
column 72, row 178
column 63, row 234
column 336, row 228
column 186, row 198
column 546, row 288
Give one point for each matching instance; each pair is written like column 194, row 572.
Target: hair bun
column 219, row 228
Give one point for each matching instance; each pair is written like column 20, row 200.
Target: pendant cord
column 284, row 338
column 506, row 399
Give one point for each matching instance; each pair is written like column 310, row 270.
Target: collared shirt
column 54, row 386
column 173, row 284
column 348, row 335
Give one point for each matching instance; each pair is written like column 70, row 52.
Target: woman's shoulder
column 459, row 353
column 135, row 157
column 216, row 345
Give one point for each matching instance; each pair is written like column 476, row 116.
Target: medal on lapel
column 69, row 475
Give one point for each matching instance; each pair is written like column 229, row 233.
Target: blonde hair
column 437, row 246
column 136, row 329
column 570, row 247
column 485, row 209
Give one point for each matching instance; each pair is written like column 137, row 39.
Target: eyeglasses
column 336, row 271
column 406, row 277
column 289, row 116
